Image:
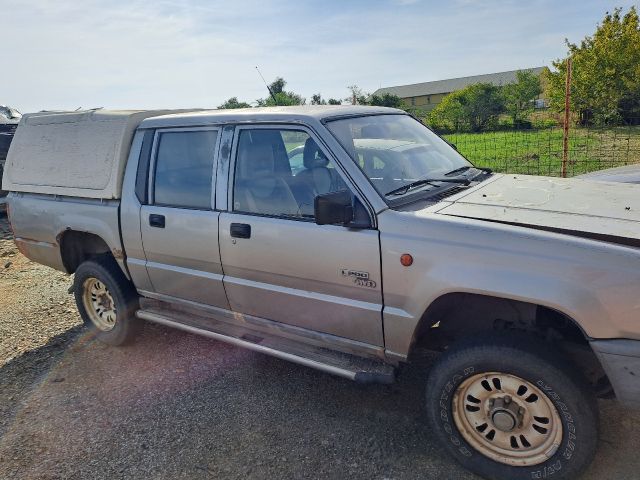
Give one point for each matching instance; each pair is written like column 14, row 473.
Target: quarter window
column 184, row 169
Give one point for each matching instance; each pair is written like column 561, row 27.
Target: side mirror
column 334, row 208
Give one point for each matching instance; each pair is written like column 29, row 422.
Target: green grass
column 539, row 152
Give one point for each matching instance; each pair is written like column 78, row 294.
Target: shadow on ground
column 174, row 405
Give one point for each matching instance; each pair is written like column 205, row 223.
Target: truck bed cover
column 78, row 154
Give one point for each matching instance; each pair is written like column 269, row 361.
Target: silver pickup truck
column 348, row 239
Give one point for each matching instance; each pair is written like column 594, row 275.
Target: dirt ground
column 175, row 405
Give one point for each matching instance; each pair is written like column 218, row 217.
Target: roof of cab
column 300, row 114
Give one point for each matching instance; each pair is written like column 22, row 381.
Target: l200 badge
column 354, row 273
column 361, row 279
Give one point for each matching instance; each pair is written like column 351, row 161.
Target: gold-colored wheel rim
column 507, row 419
column 99, row 304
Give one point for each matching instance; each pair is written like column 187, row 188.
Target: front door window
column 280, row 172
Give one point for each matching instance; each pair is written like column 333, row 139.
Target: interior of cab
column 265, row 182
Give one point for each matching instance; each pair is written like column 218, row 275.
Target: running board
column 358, row 369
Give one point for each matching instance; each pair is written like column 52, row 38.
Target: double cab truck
column 350, row 239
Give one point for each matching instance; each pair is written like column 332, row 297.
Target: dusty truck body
column 9, row 118
column 385, row 241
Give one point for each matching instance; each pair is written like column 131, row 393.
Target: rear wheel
column 106, row 300
column 508, row 407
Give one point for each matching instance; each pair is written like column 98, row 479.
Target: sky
column 69, row 54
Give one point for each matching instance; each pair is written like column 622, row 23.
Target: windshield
column 396, row 150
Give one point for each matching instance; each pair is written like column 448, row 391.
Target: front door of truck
column 179, row 226
column 278, row 263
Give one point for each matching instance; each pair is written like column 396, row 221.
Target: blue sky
column 193, row 53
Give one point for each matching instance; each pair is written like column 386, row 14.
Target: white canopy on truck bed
column 79, row 154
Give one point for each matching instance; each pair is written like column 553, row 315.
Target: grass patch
column 539, row 152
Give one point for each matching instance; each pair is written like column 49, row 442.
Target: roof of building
column 453, row 84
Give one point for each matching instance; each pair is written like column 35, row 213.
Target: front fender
column 594, row 283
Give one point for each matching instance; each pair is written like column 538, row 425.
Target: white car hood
column 604, row 209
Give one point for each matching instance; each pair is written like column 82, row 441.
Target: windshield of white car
column 395, row 151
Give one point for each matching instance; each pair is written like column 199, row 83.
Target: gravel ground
column 175, row 405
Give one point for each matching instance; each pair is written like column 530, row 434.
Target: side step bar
column 344, row 365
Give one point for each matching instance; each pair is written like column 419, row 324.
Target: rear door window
column 184, row 169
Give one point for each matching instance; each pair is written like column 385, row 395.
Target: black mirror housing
column 335, row 208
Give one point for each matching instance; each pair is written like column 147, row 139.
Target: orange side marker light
column 406, row 260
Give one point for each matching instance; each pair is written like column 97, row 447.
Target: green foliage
column 386, row 100
column 282, row 98
column 357, row 97
column 605, row 87
column 541, row 123
column 474, row 108
column 537, row 152
column 277, row 86
column 233, row 103
column 519, row 97
column 448, row 115
column 316, row 99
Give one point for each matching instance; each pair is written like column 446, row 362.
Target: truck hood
column 594, row 209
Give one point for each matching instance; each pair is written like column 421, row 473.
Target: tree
column 448, row 115
column 233, row 103
column 605, row 84
column 386, row 100
column 316, row 99
column 357, row 97
column 519, row 97
column 277, row 86
column 473, row 108
column 282, row 98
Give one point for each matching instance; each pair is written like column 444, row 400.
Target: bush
column 474, row 109
column 544, row 123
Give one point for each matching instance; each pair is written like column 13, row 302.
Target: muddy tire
column 507, row 406
column 107, row 301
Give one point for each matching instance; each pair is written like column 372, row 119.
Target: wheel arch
column 79, row 246
column 457, row 315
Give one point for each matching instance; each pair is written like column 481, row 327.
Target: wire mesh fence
column 539, row 151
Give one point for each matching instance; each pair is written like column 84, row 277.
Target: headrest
column 257, row 160
column 312, row 156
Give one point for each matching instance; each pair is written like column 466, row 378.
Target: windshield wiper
column 465, row 168
column 458, row 170
column 423, row 181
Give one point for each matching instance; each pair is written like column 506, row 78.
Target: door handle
column 240, row 230
column 156, row 220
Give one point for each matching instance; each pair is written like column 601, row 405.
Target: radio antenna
column 268, row 88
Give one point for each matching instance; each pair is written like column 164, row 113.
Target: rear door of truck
column 179, row 226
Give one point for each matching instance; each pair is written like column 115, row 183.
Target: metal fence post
column 567, row 115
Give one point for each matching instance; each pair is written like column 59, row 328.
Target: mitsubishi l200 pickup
column 347, row 239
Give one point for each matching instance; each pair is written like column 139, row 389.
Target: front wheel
column 506, row 406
